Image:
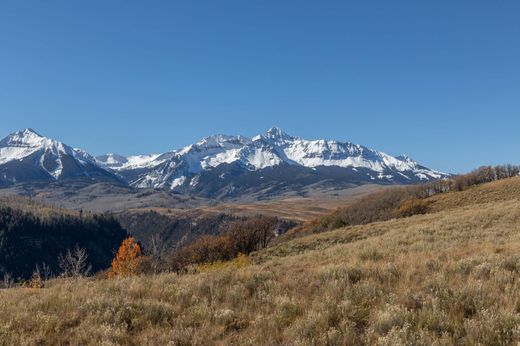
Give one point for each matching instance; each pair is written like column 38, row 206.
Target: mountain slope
column 26, row 156
column 226, row 166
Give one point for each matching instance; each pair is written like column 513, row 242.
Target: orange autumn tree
column 128, row 259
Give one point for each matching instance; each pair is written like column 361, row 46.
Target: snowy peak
column 275, row 148
column 21, row 144
column 27, row 155
column 24, row 138
column 278, row 135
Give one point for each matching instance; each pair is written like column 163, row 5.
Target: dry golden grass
column 497, row 191
column 445, row 278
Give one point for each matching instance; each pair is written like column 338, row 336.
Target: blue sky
column 438, row 80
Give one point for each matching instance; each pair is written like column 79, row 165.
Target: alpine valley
column 217, row 168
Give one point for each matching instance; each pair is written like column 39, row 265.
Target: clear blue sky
column 438, row 80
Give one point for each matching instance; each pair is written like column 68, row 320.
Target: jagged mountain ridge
column 217, row 166
column 225, row 165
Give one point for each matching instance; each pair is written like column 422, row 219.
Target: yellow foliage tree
column 128, row 259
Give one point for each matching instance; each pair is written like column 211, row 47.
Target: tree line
column 482, row 175
column 45, row 242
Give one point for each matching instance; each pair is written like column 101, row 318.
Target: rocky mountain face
column 223, row 166
column 218, row 166
column 26, row 156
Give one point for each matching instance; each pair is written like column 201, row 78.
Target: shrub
column 371, row 255
column 252, row 234
column 74, row 263
column 205, row 249
column 389, row 318
column 410, row 207
column 128, row 259
column 242, row 237
column 240, row 261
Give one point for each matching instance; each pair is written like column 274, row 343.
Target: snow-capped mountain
column 26, row 156
column 218, row 166
column 244, row 163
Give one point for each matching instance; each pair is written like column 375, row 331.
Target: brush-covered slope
column 450, row 277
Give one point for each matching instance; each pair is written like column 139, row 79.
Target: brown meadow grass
column 449, row 277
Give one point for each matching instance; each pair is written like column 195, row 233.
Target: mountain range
column 217, row 166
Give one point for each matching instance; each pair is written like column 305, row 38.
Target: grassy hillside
column 384, row 205
column 448, row 277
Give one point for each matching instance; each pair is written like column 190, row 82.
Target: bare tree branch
column 74, row 263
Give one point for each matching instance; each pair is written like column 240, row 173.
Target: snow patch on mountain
column 119, row 162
